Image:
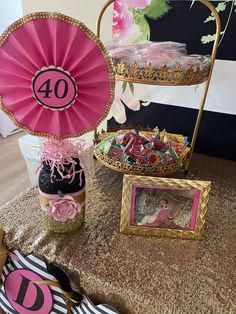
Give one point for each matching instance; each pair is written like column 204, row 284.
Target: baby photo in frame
column 164, row 207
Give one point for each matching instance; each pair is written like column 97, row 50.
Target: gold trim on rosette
column 59, row 69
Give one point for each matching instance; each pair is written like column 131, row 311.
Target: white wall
column 84, row 10
column 9, row 12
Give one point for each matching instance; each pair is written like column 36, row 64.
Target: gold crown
column 194, row 74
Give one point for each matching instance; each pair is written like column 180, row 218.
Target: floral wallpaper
column 130, row 18
column 221, row 7
column 131, row 24
column 126, row 97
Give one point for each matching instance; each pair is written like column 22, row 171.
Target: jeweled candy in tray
column 140, row 149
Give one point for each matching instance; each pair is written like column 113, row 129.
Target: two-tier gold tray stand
column 165, row 77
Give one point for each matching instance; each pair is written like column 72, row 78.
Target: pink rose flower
column 63, row 208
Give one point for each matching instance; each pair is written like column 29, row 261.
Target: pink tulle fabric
column 171, row 54
column 60, row 155
column 42, row 43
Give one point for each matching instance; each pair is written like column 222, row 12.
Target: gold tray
column 144, row 170
column 163, row 76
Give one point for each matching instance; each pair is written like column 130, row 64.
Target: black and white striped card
column 20, row 292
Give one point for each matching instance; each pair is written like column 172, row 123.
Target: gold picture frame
column 164, row 207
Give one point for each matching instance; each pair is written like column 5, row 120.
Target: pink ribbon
column 60, row 155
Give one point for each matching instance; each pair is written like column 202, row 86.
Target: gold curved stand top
column 207, row 3
column 100, row 16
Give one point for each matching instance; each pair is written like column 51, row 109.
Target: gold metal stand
column 100, row 16
column 213, row 57
column 191, row 82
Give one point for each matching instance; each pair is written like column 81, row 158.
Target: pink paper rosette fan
column 56, row 78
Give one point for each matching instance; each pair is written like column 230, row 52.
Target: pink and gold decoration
column 56, row 78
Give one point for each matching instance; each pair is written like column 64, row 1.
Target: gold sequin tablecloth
column 139, row 275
